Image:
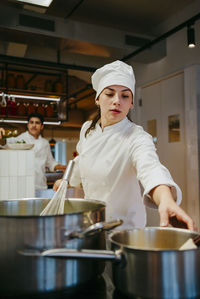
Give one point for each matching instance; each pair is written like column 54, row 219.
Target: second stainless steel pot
column 21, row 229
column 147, row 262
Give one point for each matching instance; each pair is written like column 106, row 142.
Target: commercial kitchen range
column 58, row 256
column 101, row 287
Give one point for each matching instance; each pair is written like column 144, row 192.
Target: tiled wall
column 16, row 174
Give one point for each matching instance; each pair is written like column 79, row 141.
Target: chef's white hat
column 115, row 73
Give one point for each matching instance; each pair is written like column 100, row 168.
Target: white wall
column 71, row 148
column 166, row 96
column 159, row 101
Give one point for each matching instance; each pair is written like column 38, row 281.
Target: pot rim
column 49, row 216
column 139, row 249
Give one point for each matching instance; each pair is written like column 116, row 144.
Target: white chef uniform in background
column 43, row 157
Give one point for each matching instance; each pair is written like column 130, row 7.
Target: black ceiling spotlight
column 189, row 23
column 191, row 36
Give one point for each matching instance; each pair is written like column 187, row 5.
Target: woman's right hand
column 2, row 132
column 56, row 185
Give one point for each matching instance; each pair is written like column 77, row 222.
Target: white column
column 192, row 134
column 16, row 174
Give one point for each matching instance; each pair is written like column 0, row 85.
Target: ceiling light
column 191, row 36
column 45, row 3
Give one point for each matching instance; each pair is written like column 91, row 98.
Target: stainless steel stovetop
column 99, row 288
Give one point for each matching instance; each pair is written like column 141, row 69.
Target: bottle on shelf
column 49, row 111
column 31, row 108
column 12, row 107
column 41, row 109
column 21, row 109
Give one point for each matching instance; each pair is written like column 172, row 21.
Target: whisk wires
column 56, row 205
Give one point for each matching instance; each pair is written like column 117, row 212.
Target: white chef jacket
column 43, row 157
column 110, row 165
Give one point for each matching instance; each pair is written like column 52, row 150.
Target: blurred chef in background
column 42, row 151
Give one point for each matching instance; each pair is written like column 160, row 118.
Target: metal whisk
column 57, row 203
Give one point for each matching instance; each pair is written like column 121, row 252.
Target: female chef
column 117, row 157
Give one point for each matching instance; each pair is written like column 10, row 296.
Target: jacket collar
column 115, row 127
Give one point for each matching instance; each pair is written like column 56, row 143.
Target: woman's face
column 115, row 102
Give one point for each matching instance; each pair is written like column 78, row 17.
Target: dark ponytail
column 94, row 121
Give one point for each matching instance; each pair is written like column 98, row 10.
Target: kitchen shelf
column 32, row 92
column 15, row 117
column 31, row 86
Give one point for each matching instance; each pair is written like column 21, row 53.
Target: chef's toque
column 115, row 73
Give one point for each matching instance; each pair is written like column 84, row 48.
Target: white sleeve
column 150, row 172
column 75, row 179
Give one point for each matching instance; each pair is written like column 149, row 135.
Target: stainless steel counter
column 53, row 176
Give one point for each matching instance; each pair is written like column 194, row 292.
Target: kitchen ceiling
column 139, row 21
column 137, row 16
column 87, row 33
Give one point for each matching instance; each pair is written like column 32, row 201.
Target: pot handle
column 94, row 229
column 76, row 254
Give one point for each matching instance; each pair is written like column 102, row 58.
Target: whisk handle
column 68, row 171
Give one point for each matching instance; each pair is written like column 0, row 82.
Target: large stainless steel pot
column 21, row 228
column 147, row 262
